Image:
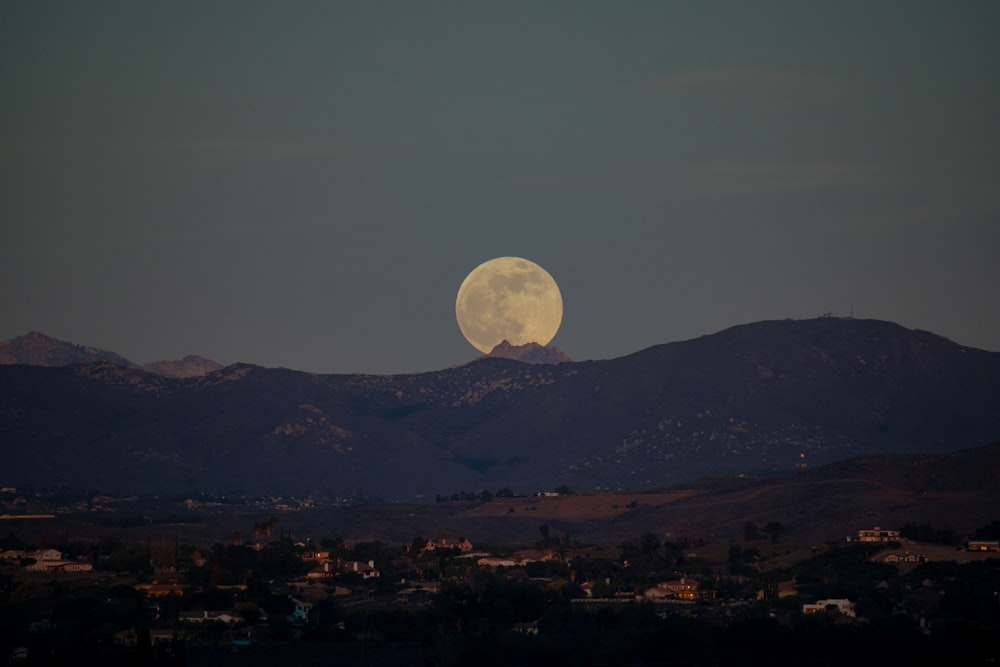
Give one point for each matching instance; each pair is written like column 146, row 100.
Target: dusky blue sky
column 306, row 184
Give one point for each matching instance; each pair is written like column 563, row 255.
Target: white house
column 843, row 605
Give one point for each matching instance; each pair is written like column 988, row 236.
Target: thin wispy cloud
column 722, row 179
column 736, row 77
column 257, row 149
column 756, row 85
column 725, row 178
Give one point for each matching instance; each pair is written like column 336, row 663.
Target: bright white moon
column 508, row 298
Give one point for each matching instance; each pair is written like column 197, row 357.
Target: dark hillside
column 757, row 399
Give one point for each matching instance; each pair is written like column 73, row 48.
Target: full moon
column 508, row 298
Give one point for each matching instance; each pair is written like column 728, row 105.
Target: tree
column 735, row 559
column 263, row 529
column 750, row 531
column 143, row 647
column 629, row 551
column 775, row 530
column 650, row 545
column 990, row 531
column 505, row 492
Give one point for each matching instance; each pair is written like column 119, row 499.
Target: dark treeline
column 926, row 532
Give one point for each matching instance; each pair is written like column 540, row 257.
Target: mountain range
column 754, row 400
column 37, row 349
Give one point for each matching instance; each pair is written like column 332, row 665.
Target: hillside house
column 301, row 612
column 130, row 637
column 320, row 572
column 895, row 557
column 491, row 561
column 156, row 590
column 681, row 589
column 877, row 534
column 843, row 605
column 208, row 616
column 462, row 545
column 530, row 629
column 51, row 560
column 533, row 555
column 366, row 570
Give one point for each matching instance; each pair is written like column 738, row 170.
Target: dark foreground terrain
column 651, row 600
column 723, row 572
column 821, row 504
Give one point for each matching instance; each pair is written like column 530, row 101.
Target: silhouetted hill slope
column 37, row 349
column 958, row 490
column 955, row 490
column 756, row 399
column 190, row 366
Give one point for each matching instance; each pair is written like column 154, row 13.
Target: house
column 681, row 589
column 787, row 589
column 983, row 545
column 520, row 558
column 878, row 535
column 462, row 545
column 530, row 629
column 366, row 570
column 59, row 566
column 159, row 635
column 126, row 637
column 533, row 555
column 497, row 562
column 155, row 590
column 75, row 566
column 205, row 616
column 45, row 554
column 894, row 557
column 321, row 572
column 843, row 605
column 301, row 612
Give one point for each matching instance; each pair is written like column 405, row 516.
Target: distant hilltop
column 37, row 349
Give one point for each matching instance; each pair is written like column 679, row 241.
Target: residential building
column 878, row 535
column 301, row 612
column 843, row 605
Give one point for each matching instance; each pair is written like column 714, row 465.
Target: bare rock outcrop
column 529, row 353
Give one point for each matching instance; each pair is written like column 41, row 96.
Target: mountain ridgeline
column 755, row 400
column 37, row 349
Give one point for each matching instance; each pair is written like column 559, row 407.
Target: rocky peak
column 529, row 353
